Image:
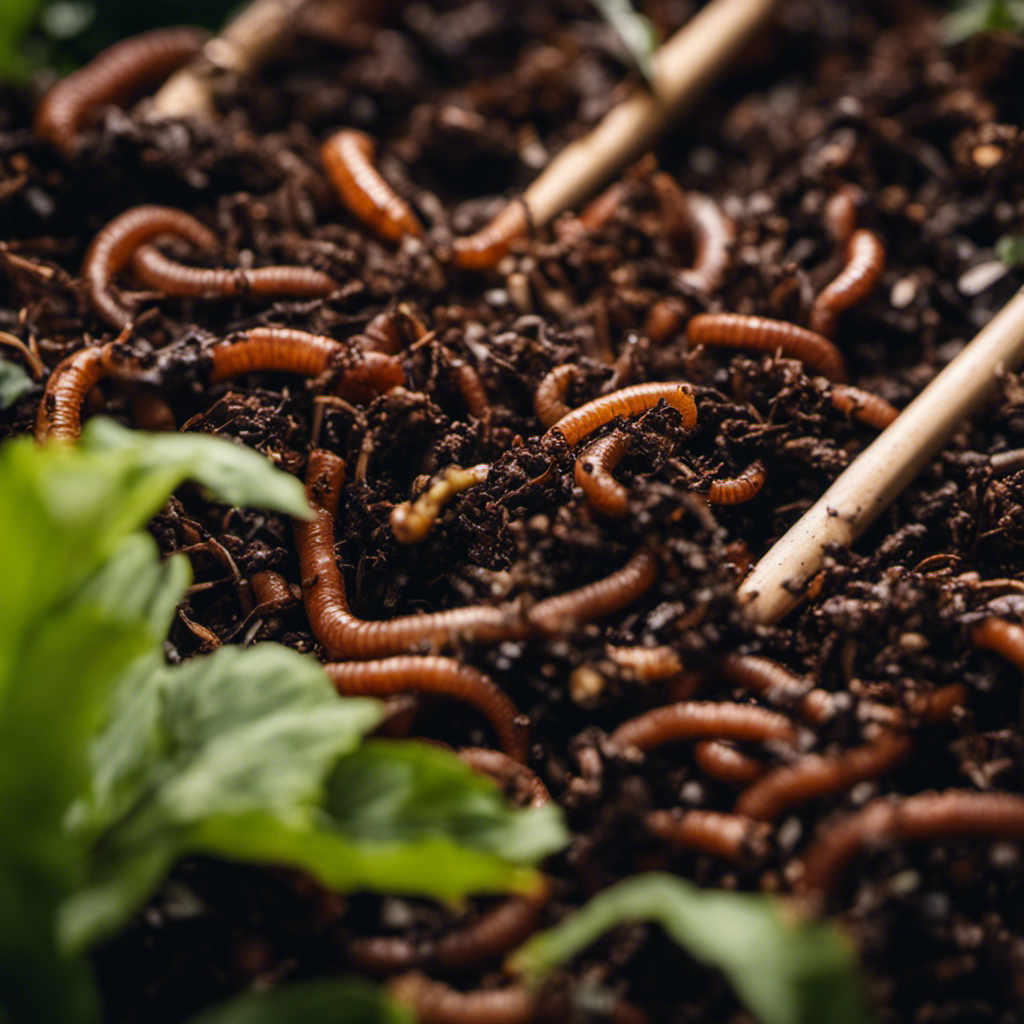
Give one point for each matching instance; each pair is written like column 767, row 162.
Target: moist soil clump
column 466, row 103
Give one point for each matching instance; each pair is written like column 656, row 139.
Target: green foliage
column 15, row 18
column 635, row 31
column 1010, row 249
column 14, row 381
column 974, row 17
column 785, row 971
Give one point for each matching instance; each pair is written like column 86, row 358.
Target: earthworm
column 728, row 836
column 149, row 409
column 630, row 401
column 506, row 771
column 814, row 776
column 1003, row 637
column 430, row 674
column 348, row 160
column 713, row 238
column 703, row 719
column 647, row 664
column 59, row 417
column 566, row 612
column 472, row 389
column 392, row 330
column 934, row 817
column 871, row 409
column 271, row 589
column 593, row 473
column 115, row 244
column 602, row 208
column 778, row 685
column 737, row 489
column 865, row 261
column 114, row 76
column 840, row 216
column 734, row 330
column 158, row 271
column 724, row 763
column 323, row 588
column 549, row 399
column 483, row 250
column 663, row 319
column 411, row 521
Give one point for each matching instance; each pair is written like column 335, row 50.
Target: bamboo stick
column 877, row 477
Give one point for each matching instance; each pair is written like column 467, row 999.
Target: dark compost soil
column 467, row 101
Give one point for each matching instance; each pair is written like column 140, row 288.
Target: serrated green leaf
column 785, row 970
column 14, row 382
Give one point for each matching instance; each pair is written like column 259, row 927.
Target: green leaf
column 974, row 17
column 1010, row 249
column 14, row 381
column 314, row 1002
column 15, row 18
column 786, row 971
column 634, row 30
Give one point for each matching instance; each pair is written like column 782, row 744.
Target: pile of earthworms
column 540, row 461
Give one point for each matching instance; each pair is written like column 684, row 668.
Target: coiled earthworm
column 713, row 238
column 348, row 160
column 860, row 405
column 430, row 674
column 160, row 272
column 116, row 75
column 738, row 489
column 647, row 664
column 865, row 261
column 411, row 521
column 840, row 216
column 114, row 245
column 566, row 612
column 484, row 250
column 727, row 836
column 507, row 772
column 703, row 719
column 778, row 685
column 733, row 330
column 935, row 817
column 393, row 330
column 593, row 474
column 59, row 417
column 549, row 399
column 630, row 401
column 814, row 776
column 724, row 763
column 471, row 388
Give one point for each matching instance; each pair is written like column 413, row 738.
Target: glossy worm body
column 411, row 521
column 271, row 590
column 933, row 817
column 737, row 489
column 629, row 401
column 1004, row 638
column 727, row 836
column 863, row 406
column 59, row 417
column 392, row 331
column 733, row 330
column 348, row 160
column 865, row 261
column 813, row 776
column 713, row 238
column 840, row 217
column 158, row 271
column 602, row 208
column 593, row 474
column 724, row 763
column 647, row 664
column 778, row 685
column 703, row 719
column 549, row 399
column 471, row 387
column 414, row 674
column 114, row 246
column 484, row 250
column 115, row 76
column 507, row 772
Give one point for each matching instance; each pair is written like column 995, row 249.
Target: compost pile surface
column 466, row 103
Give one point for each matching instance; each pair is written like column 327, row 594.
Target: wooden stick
column 877, row 477
column 683, row 67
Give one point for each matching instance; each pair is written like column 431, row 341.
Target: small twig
column 878, row 476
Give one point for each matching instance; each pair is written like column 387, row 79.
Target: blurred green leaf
column 15, row 18
column 974, row 17
column 634, row 30
column 1010, row 249
column 14, row 382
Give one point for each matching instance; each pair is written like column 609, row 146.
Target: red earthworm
column 392, row 330
column 663, row 320
column 149, row 409
column 934, row 817
column 506, row 771
column 814, row 776
column 724, row 763
column 647, row 664
column 629, row 401
column 270, row 349
column 733, row 330
column 399, row 715
column 865, row 261
column 472, row 389
column 549, row 399
column 840, row 217
column 430, row 674
column 369, row 374
column 113, row 247
column 1003, row 637
column 483, row 250
column 728, row 836
column 59, row 417
column 271, row 589
column 602, row 208
column 737, row 489
column 713, row 237
column 703, row 719
column 593, row 473
column 116, row 75
column 871, row 409
column 777, row 684
column 160, row 272
column 411, row 520
column 566, row 612
column 348, row 160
